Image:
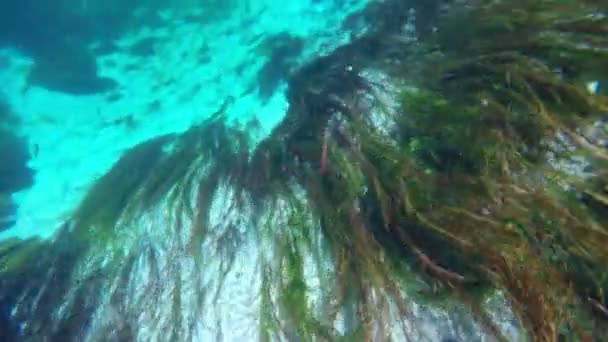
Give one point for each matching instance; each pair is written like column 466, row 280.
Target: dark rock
column 70, row 70
column 105, row 48
column 57, row 36
column 8, row 330
column 31, row 25
column 113, row 97
column 14, row 172
column 449, row 339
column 282, row 49
column 144, row 47
column 6, row 116
column 7, row 212
column 269, row 78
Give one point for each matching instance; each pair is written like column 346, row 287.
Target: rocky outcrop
column 15, row 175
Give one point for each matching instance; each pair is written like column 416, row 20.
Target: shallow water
column 306, row 170
column 168, row 70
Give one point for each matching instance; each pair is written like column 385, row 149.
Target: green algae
column 146, row 173
column 450, row 199
column 495, row 105
column 16, row 256
column 469, row 145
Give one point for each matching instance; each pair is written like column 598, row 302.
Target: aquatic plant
column 356, row 208
column 491, row 104
column 465, row 190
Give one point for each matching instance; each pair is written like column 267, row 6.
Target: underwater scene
column 304, row 170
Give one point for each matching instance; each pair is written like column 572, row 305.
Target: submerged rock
column 247, row 276
column 282, row 50
column 7, row 211
column 14, row 172
column 70, row 70
column 201, row 236
column 15, row 175
column 203, row 241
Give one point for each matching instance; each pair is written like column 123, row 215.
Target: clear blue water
column 90, row 83
column 304, row 170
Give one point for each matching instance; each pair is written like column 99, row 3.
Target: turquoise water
column 305, row 170
column 172, row 69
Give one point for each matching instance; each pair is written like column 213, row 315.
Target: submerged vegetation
column 461, row 186
column 446, row 193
